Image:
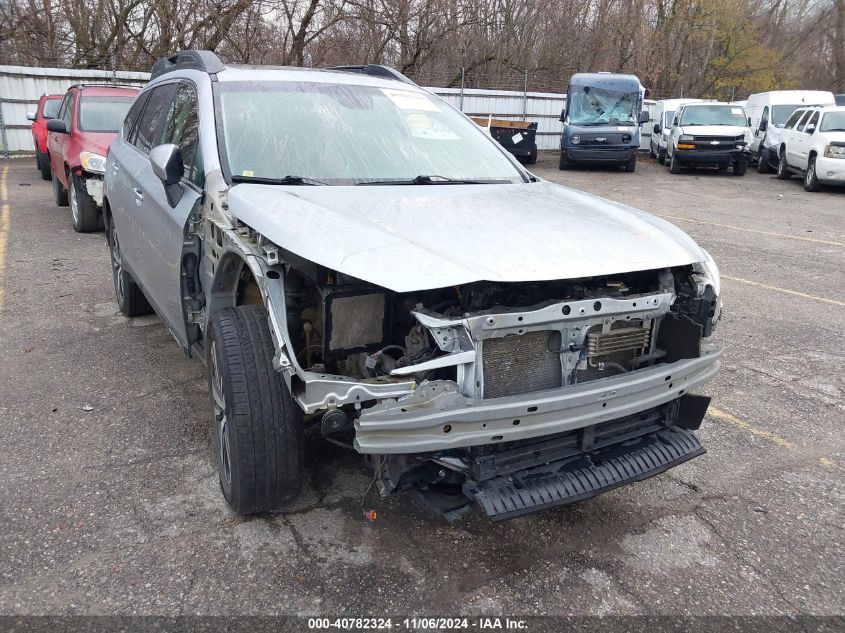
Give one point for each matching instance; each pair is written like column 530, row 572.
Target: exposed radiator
column 621, row 337
column 520, row 364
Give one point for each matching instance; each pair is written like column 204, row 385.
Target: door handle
column 115, row 168
column 139, row 195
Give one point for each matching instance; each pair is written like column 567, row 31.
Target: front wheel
column 674, row 165
column 631, row 165
column 661, row 157
column 740, row 167
column 783, row 172
column 257, row 428
column 44, row 166
column 763, row 166
column 811, row 178
column 562, row 164
column 83, row 209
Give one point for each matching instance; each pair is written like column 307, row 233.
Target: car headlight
column 686, row 137
column 708, row 273
column 575, row 139
column 835, row 151
column 93, row 162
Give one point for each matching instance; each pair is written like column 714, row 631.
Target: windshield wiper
column 430, row 180
column 287, row 180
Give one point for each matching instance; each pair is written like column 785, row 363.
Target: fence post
column 3, row 130
column 461, row 108
column 525, row 96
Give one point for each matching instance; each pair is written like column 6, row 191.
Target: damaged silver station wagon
column 345, row 249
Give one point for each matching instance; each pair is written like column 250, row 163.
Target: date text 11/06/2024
column 419, row 623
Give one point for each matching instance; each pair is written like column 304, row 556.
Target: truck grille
column 520, row 364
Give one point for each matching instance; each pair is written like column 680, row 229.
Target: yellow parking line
column 724, row 416
column 4, row 234
column 742, row 228
column 789, row 292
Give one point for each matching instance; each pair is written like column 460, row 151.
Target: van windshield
column 595, row 106
column 713, row 115
column 780, row 113
column 351, row 134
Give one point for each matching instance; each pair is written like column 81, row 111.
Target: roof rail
column 375, row 70
column 111, row 84
column 206, row 61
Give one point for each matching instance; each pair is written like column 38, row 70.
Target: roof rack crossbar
column 205, row 61
column 375, row 70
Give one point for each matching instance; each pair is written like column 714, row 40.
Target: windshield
column 51, row 107
column 668, row 117
column 713, row 115
column 103, row 114
column 594, row 106
column 780, row 113
column 833, row 122
column 346, row 135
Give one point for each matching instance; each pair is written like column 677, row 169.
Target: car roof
column 789, row 97
column 310, row 75
column 104, row 90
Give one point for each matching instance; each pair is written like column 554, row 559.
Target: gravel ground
column 109, row 503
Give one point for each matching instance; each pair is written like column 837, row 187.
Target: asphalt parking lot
column 109, row 503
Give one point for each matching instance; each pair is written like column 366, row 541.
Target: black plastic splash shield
column 571, row 480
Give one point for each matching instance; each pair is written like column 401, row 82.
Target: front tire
column 59, row 193
column 763, row 166
column 83, row 210
column 631, row 165
column 739, row 168
column 783, row 172
column 811, row 178
column 43, row 161
column 661, row 157
column 130, row 297
column 257, row 428
column 562, row 164
column 674, row 165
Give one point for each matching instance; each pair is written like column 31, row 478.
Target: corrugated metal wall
column 20, row 89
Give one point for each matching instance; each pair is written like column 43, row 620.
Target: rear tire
column 783, row 172
column 631, row 165
column 130, row 297
column 257, row 428
column 59, row 192
column 811, row 178
column 83, row 210
column 674, row 165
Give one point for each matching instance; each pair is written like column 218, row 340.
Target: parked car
column 664, row 114
column 767, row 112
column 365, row 262
column 812, row 145
column 48, row 106
column 78, row 141
column 709, row 134
column 601, row 120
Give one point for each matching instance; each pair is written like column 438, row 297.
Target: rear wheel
column 257, row 428
column 130, row 298
column 674, row 164
column 59, row 193
column 83, row 209
column 811, row 178
column 783, row 172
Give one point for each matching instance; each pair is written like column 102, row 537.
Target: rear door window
column 803, row 122
column 133, row 115
column 148, row 125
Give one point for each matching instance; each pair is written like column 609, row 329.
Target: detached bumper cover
column 572, row 480
column 436, row 417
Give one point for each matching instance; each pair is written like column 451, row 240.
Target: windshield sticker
column 407, row 100
column 736, row 111
column 422, row 126
column 516, row 138
column 248, row 173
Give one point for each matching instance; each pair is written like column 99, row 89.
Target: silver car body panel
column 408, row 238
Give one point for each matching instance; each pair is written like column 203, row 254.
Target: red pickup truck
column 78, row 140
column 48, row 106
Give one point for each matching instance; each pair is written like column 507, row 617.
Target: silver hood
column 417, row 237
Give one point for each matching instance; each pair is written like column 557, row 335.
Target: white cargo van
column 664, row 113
column 767, row 113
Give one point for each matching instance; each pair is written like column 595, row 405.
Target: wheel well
column 813, row 153
column 233, row 285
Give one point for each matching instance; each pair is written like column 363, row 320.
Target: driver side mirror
column 657, row 128
column 644, row 117
column 30, row 116
column 57, row 125
column 810, row 128
column 562, row 114
column 166, row 161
